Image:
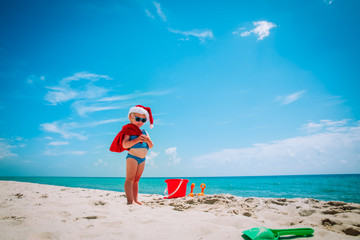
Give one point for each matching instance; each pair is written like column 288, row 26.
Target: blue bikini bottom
column 139, row 160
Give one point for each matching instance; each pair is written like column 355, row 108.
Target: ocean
column 322, row 187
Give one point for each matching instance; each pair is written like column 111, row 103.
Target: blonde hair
column 133, row 115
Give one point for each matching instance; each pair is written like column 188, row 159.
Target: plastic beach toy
column 262, row 233
column 191, row 194
column 175, row 188
column 202, row 186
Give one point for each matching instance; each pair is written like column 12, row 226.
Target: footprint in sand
column 351, row 231
column 332, row 211
column 329, row 222
column 19, row 195
column 15, row 220
column 44, row 196
column 99, row 203
column 93, row 217
column 306, row 212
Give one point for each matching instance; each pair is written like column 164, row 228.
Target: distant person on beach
column 137, row 142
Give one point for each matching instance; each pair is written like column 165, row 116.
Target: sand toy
column 175, row 188
column 191, row 194
column 262, row 233
column 202, row 186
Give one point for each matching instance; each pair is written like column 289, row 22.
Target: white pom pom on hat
column 143, row 110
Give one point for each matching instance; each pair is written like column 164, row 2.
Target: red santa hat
column 143, row 110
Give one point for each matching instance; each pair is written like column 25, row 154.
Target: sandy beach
column 35, row 211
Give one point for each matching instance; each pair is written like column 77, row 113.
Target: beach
column 38, row 211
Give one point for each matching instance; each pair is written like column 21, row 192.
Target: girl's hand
column 144, row 138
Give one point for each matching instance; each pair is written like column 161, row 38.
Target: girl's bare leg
column 131, row 169
column 140, row 170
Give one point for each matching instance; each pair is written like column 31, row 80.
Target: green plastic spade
column 262, row 233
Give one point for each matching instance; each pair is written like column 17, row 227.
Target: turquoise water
column 323, row 187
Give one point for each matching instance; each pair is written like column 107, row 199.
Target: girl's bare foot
column 140, row 203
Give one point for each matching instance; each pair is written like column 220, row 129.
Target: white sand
column 35, row 211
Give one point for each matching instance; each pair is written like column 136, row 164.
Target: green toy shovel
column 263, row 233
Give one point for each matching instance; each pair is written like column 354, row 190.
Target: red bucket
column 176, row 188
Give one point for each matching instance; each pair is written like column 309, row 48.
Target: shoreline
column 39, row 211
column 342, row 187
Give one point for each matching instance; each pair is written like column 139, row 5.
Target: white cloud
column 87, row 97
column 170, row 151
column 237, row 32
column 92, row 92
column 160, row 12
column 335, row 150
column 61, row 129
column 82, row 108
column 134, row 95
column 149, row 14
column 57, row 143
column 65, row 129
column 173, row 157
column 325, row 125
column 87, row 90
column 17, row 138
column 328, row 1
column 34, row 79
column 85, row 75
column 150, row 158
column 335, row 100
column 5, row 149
column 100, row 162
column 202, row 35
column 60, row 94
column 75, row 152
column 102, row 122
column 261, row 30
column 184, row 39
column 112, row 102
column 65, row 92
column 290, row 98
column 54, row 152
column 245, row 34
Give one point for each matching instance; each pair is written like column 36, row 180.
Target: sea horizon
column 182, row 177
column 327, row 187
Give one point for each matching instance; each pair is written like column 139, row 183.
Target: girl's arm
column 127, row 143
column 146, row 138
column 149, row 142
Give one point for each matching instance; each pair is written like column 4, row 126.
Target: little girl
column 137, row 142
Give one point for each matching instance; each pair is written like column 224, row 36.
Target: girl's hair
column 131, row 114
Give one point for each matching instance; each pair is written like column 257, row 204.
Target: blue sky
column 237, row 88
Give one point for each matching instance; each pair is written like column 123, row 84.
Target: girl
column 137, row 142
